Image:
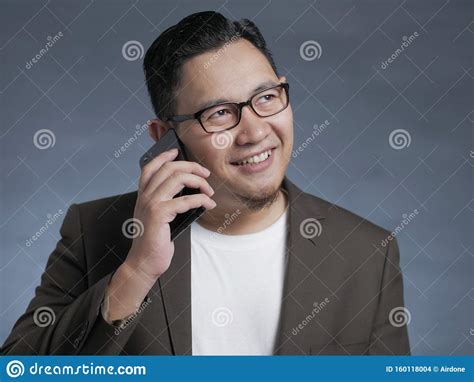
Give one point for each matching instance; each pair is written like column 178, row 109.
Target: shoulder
column 104, row 217
column 339, row 221
column 347, row 222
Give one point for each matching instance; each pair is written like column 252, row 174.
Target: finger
column 170, row 168
column 154, row 165
column 185, row 203
column 174, row 184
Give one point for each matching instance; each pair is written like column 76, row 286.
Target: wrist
column 132, row 268
column 125, row 293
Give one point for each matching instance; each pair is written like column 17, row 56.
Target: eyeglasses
column 227, row 115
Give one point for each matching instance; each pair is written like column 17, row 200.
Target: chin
column 257, row 196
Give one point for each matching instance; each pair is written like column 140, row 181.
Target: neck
column 237, row 219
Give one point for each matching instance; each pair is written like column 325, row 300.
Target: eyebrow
column 217, row 101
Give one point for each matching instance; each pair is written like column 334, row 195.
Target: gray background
column 91, row 98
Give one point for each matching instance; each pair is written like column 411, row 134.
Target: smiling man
column 267, row 269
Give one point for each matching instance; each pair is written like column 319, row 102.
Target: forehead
column 231, row 72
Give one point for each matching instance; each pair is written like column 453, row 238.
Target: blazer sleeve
column 64, row 316
column 389, row 334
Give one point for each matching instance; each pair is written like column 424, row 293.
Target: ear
column 157, row 128
column 282, row 79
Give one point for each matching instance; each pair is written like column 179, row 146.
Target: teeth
column 256, row 158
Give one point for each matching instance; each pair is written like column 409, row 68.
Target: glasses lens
column 270, row 101
column 220, row 117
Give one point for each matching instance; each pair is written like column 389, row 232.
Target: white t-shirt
column 236, row 289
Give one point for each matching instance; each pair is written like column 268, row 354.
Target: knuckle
column 183, row 176
column 166, row 165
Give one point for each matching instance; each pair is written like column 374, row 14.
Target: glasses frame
column 238, row 105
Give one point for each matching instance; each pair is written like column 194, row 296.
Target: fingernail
column 173, row 150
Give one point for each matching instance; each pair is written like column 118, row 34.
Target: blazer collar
column 175, row 284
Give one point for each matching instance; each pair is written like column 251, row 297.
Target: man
column 267, row 269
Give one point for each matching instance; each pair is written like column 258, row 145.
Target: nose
column 251, row 128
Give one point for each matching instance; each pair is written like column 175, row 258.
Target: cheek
column 284, row 130
column 204, row 153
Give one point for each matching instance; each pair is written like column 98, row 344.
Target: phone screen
column 167, row 142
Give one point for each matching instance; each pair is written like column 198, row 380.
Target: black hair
column 195, row 34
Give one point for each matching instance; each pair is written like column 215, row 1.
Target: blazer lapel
column 175, row 287
column 304, row 284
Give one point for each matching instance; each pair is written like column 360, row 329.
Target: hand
column 160, row 180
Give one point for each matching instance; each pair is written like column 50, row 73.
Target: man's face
column 233, row 76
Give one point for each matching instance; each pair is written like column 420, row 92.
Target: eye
column 267, row 97
column 220, row 113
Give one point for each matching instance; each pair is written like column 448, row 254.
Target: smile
column 256, row 158
column 256, row 163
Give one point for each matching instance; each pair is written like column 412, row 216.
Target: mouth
column 255, row 159
column 257, row 162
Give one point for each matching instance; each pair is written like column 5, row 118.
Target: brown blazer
column 345, row 264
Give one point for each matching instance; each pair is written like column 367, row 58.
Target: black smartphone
column 167, row 142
